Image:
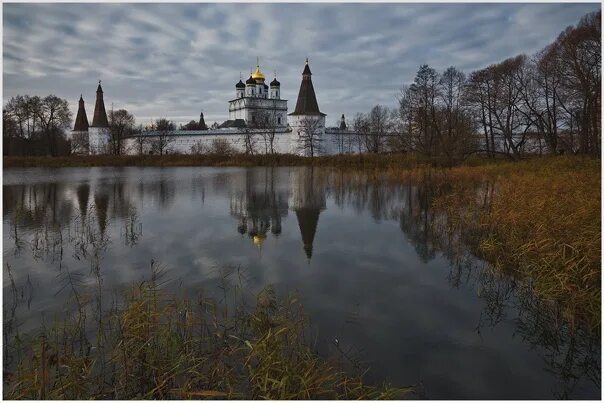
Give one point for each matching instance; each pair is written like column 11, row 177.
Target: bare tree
column 361, row 128
column 54, row 116
column 121, row 125
column 140, row 140
column 402, row 123
column 479, row 95
column 420, row 104
column 310, row 140
column 38, row 125
column 496, row 94
column 266, row 124
column 379, row 129
column 162, row 136
column 578, row 51
column 25, row 112
column 456, row 133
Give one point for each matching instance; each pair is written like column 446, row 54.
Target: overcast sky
column 175, row 60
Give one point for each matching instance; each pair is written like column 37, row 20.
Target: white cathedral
column 256, row 109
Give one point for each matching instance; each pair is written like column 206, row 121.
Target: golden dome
column 257, row 75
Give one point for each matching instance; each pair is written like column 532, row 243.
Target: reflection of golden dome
column 257, row 75
column 259, row 239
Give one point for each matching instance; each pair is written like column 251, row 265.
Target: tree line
column 32, row 125
column 548, row 103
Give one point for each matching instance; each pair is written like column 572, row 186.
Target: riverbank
column 363, row 161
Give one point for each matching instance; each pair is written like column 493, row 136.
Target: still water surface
column 375, row 269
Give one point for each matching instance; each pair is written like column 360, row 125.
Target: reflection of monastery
column 265, row 204
column 258, row 199
column 264, row 199
column 257, row 108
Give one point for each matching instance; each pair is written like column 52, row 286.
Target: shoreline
column 363, row 161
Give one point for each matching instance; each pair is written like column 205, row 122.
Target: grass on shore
column 363, row 161
column 538, row 219
column 162, row 347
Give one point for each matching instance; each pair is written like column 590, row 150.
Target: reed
column 158, row 346
column 537, row 219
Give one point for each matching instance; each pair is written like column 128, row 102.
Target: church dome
column 251, row 81
column 275, row 83
column 240, row 84
column 257, row 75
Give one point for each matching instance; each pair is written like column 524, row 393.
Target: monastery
column 256, row 111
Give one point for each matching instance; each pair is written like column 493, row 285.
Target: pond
column 378, row 274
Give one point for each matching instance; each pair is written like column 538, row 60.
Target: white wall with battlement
column 286, row 140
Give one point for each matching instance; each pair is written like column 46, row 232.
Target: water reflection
column 72, row 221
column 259, row 207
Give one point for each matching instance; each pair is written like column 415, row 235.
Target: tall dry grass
column 159, row 346
column 539, row 219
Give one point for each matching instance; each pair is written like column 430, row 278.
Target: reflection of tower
column 101, row 202
column 308, row 218
column 307, row 200
column 83, row 193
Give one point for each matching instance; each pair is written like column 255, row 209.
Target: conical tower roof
column 81, row 122
column 202, row 122
column 307, row 100
column 100, row 116
column 342, row 123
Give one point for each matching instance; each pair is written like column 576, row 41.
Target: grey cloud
column 174, row 60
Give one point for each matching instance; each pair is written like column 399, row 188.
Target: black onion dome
column 275, row 83
column 240, row 84
column 265, row 87
column 251, row 81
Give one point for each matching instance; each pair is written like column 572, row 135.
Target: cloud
column 173, row 60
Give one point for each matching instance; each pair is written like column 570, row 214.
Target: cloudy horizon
column 173, row 61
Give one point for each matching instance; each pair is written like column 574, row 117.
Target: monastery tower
column 306, row 118
column 98, row 133
column 79, row 134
